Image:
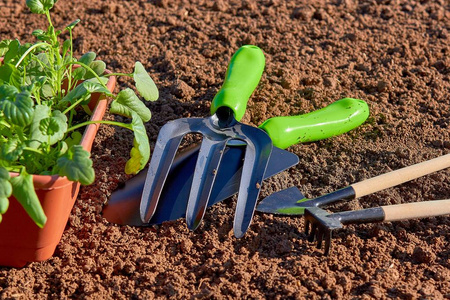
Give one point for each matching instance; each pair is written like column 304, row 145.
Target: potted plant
column 46, row 97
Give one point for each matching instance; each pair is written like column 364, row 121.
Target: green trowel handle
column 243, row 75
column 337, row 118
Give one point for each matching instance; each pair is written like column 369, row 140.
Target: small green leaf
column 18, row 107
column 47, row 90
column 94, row 87
column 73, row 24
column 127, row 102
column 40, row 6
column 4, row 46
column 5, row 190
column 76, row 165
column 40, row 35
column 35, row 6
column 103, row 80
column 23, row 191
column 11, row 150
column 87, row 58
column 144, row 83
column 74, row 139
column 66, row 46
column 13, row 51
column 10, row 74
column 40, row 132
column 78, row 73
column 98, row 67
column 48, row 126
column 140, row 153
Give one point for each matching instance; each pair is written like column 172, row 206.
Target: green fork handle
column 337, row 118
column 243, row 74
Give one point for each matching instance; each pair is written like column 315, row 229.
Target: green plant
column 43, row 91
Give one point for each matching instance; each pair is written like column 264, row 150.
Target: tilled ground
column 392, row 54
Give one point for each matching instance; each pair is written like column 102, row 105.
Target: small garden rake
column 319, row 223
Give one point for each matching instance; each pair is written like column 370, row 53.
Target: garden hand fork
column 228, row 106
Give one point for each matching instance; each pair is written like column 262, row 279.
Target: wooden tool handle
column 399, row 176
column 416, row 210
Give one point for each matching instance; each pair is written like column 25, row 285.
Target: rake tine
column 312, row 234
column 328, row 235
column 208, row 161
column 319, row 237
column 307, row 224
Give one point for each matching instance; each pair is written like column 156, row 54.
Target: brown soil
column 394, row 54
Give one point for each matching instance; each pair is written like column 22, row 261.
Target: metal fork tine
column 168, row 141
column 208, row 161
column 255, row 162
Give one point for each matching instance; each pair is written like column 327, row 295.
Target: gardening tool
column 228, row 106
column 292, row 202
column 123, row 205
column 323, row 223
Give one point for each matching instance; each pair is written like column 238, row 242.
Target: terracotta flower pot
column 21, row 240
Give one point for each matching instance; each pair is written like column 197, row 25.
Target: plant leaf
column 99, row 68
column 140, row 153
column 48, row 126
column 95, row 87
column 23, row 191
column 74, row 139
column 13, row 50
column 42, row 134
column 5, row 190
column 40, row 6
column 87, row 58
column 72, row 25
column 78, row 73
column 11, row 150
column 76, row 165
column 127, row 102
column 66, row 46
column 144, row 83
column 41, row 35
column 17, row 107
column 10, row 74
column 82, row 90
column 4, row 46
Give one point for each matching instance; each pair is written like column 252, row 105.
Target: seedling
column 43, row 91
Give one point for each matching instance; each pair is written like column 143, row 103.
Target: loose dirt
column 393, row 54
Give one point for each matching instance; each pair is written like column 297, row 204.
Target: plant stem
column 74, row 105
column 29, row 50
column 90, row 70
column 127, row 126
column 33, row 150
column 118, row 74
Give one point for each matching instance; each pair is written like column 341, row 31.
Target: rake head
column 322, row 224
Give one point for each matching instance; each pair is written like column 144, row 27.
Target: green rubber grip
column 337, row 118
column 243, row 74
